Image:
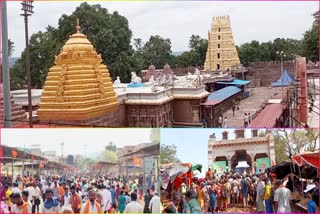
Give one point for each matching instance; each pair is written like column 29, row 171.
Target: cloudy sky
column 262, row 21
column 76, row 141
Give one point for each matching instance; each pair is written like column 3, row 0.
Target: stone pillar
column 195, row 113
column 271, row 151
column 253, row 168
column 127, row 169
column 229, row 163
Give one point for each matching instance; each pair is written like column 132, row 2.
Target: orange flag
column 137, row 161
column 14, row 154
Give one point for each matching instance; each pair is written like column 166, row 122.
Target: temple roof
column 78, row 87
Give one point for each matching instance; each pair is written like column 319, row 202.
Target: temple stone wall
column 182, row 111
column 187, row 112
column 150, row 115
column 262, row 74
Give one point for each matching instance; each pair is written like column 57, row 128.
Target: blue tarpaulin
column 236, row 82
column 224, row 93
column 135, row 85
column 285, row 80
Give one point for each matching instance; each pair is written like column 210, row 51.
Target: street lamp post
column 5, row 69
column 281, row 53
column 27, row 8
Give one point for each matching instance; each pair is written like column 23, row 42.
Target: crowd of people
column 78, row 194
column 251, row 192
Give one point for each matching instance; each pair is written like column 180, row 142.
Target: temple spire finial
column 78, row 26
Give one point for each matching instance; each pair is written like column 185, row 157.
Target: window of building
column 219, row 37
column 218, row 45
column 209, row 152
column 254, row 133
column 218, row 55
column 219, row 29
column 225, row 135
column 218, row 66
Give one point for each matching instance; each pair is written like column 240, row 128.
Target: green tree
column 186, row 59
column 199, row 46
column 109, row 156
column 108, row 32
column 262, row 133
column 42, row 48
column 111, row 147
column 267, row 51
column 168, row 154
column 280, row 149
column 10, row 47
column 157, row 51
column 294, row 142
column 310, row 41
column 312, row 137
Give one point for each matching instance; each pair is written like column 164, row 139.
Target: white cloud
column 262, row 21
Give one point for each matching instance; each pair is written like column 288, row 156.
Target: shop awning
column 307, row 158
column 222, row 94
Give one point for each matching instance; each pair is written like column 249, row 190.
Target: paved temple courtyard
column 249, row 105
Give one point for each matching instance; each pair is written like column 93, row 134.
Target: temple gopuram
column 222, row 53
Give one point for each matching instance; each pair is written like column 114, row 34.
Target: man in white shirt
column 155, row 204
column 91, row 206
column 133, row 206
column 20, row 206
column 32, row 196
column 45, row 186
column 260, row 194
column 15, row 188
column 282, row 198
column 37, row 197
column 106, row 199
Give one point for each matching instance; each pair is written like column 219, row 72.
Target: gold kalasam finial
column 78, row 26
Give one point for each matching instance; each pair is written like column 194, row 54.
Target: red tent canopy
column 310, row 158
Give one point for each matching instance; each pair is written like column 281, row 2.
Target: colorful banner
column 262, row 164
column 220, row 166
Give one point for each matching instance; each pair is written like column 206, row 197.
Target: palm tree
column 10, row 47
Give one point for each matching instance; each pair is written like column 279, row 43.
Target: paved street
column 249, row 105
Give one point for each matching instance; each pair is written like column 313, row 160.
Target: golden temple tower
column 78, row 87
column 222, row 53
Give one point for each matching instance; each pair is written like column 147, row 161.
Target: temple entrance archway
column 240, row 155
